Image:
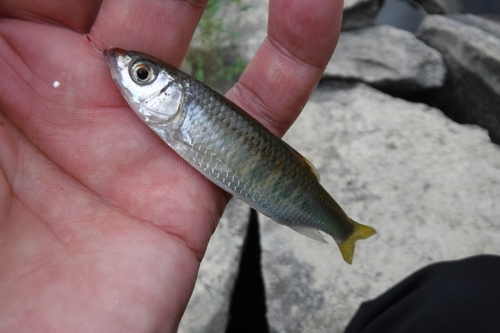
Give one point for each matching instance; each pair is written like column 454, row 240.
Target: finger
column 75, row 14
column 159, row 28
column 302, row 35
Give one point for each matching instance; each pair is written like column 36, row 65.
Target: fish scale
column 231, row 148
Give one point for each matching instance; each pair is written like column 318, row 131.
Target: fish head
column 149, row 85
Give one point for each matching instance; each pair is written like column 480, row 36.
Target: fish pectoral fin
column 347, row 246
column 197, row 155
column 309, row 232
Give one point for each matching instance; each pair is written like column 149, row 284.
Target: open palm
column 102, row 226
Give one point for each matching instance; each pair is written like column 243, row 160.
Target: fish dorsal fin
column 305, row 161
column 309, row 232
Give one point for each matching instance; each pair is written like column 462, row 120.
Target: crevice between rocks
column 247, row 312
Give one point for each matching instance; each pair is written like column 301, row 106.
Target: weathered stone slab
column 253, row 23
column 470, row 46
column 428, row 185
column 441, row 6
column 387, row 58
column 208, row 308
column 360, row 13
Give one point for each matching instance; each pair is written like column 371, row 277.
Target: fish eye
column 143, row 72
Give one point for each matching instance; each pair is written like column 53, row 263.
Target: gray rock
column 489, row 24
column 470, row 46
column 253, row 23
column 387, row 58
column 360, row 13
column 441, row 6
column 428, row 185
column 208, row 308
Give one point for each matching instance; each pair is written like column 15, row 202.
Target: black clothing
column 455, row 296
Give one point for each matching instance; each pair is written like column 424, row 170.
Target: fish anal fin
column 305, row 161
column 347, row 246
column 309, row 232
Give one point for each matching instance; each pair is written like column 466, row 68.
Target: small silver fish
column 231, row 148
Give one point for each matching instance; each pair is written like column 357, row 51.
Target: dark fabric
column 455, row 296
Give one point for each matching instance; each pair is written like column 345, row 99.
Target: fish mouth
column 115, row 61
column 111, row 55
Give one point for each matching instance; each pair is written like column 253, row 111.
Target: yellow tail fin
column 360, row 232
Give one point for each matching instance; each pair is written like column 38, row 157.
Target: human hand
column 102, row 226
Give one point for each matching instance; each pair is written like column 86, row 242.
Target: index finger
column 302, row 35
column 74, row 14
column 160, row 28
